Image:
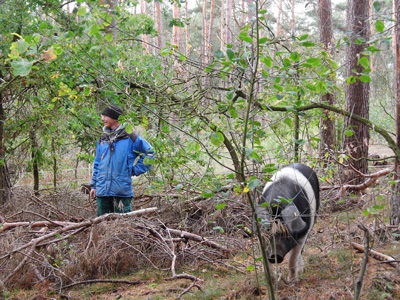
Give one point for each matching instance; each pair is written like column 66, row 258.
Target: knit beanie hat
column 113, row 111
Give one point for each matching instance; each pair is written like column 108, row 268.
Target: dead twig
column 372, row 178
column 364, row 262
column 191, row 236
column 187, row 290
column 137, row 282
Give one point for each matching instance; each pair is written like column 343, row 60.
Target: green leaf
column 58, row 49
column 267, row 60
column 94, row 30
column 232, row 111
column 219, row 54
column 44, row 25
column 250, row 268
column 364, row 78
column 351, row 79
column 333, row 63
column 230, row 54
column 21, row 67
column 379, row 26
column 166, row 51
column 303, row 37
column 299, row 142
column 377, row 5
column 217, row 138
column 82, row 11
column 245, row 37
column 254, row 183
column 109, row 37
column 373, row 49
column 295, row 56
column 220, row 206
column 307, row 44
column 377, row 207
column 288, row 121
column 207, row 194
column 263, row 40
column 219, row 228
column 349, row 132
column 364, row 62
column 278, row 87
column 129, row 128
column 359, row 40
column 315, row 61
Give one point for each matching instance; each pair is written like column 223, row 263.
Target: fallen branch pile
column 73, row 253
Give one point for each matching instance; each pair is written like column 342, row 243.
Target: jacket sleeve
column 143, row 152
column 95, row 167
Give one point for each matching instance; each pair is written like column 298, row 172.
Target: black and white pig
column 292, row 199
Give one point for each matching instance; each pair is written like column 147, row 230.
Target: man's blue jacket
column 118, row 157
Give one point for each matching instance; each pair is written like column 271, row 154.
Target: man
column 119, row 156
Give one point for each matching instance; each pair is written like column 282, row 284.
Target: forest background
column 227, row 92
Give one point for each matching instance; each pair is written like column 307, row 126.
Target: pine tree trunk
column 176, row 30
column 357, row 93
column 204, row 34
column 293, row 20
column 223, row 26
column 395, row 198
column 187, row 36
column 327, row 123
column 210, row 30
column 146, row 41
column 278, row 21
column 159, row 23
column 228, row 21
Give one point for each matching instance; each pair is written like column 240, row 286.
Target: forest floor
column 332, row 265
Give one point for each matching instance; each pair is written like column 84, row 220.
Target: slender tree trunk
column 228, row 12
column 34, row 157
column 327, row 122
column 5, row 183
column 176, row 30
column 293, row 20
column 251, row 14
column 204, row 34
column 187, row 40
column 395, row 198
column 210, row 31
column 143, row 10
column 223, row 26
column 159, row 23
column 278, row 21
column 55, row 167
column 357, row 93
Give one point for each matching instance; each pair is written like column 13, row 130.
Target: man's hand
column 92, row 193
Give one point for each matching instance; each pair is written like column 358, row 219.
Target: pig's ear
column 293, row 220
